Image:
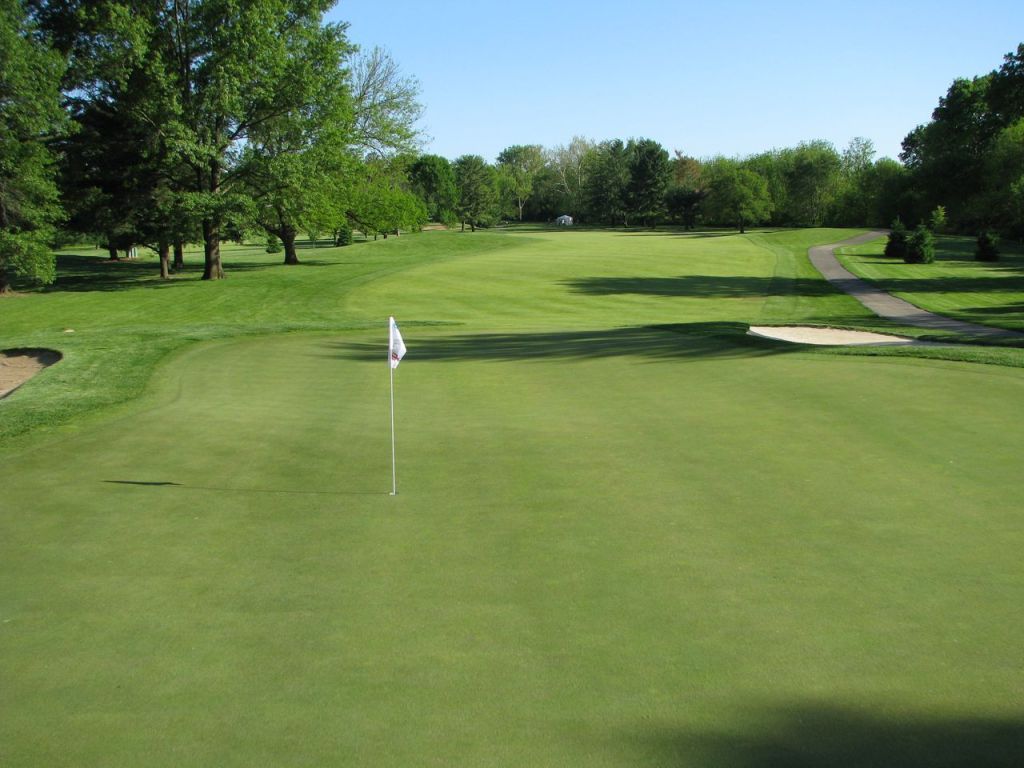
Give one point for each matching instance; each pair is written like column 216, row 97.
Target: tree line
column 166, row 122
column 638, row 183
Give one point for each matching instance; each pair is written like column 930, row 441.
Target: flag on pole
column 396, row 347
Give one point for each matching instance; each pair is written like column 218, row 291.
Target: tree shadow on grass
column 90, row 273
column 809, row 736
column 702, row 286
column 1011, row 283
column 692, row 234
column 80, row 274
column 718, row 340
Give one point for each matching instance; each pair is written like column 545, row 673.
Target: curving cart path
column 886, row 305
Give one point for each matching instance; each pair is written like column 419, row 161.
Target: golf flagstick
column 396, row 351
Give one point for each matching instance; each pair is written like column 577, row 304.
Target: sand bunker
column 19, row 365
column 830, row 336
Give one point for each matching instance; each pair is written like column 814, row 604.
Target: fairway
column 626, row 534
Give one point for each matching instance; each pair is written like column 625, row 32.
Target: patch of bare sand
column 801, row 334
column 19, row 365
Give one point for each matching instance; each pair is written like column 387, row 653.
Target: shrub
column 920, row 246
column 987, row 248
column 937, row 219
column 273, row 244
column 896, row 247
column 343, row 235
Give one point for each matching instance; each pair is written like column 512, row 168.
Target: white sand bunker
column 830, row 336
column 19, row 365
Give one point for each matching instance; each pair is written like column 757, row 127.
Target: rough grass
column 990, row 293
column 626, row 534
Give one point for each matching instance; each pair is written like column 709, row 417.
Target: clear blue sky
column 728, row 77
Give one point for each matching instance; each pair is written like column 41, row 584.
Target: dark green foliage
column 811, row 173
column 433, row 180
column 30, row 115
column 737, row 196
column 607, row 182
column 519, row 167
column 649, row 173
column 273, row 244
column 920, row 246
column 987, row 248
column 343, row 235
column 475, row 181
column 969, row 156
column 896, row 246
column 682, row 204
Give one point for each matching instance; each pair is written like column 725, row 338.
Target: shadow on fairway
column 1009, row 284
column 693, row 234
column 702, row 286
column 79, row 274
column 655, row 342
column 810, row 736
column 290, row 492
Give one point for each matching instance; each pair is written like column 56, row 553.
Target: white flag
column 396, row 347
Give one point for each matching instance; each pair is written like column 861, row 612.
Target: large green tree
column 295, row 165
column 606, row 168
column 521, row 164
column 649, row 174
column 30, row 118
column 947, row 155
column 239, row 68
column 382, row 202
column 475, row 181
column 433, row 179
column 737, row 195
column 812, row 178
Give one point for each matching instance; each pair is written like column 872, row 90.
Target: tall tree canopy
column 521, row 164
column 433, row 180
column 30, row 117
column 649, row 174
column 737, row 195
column 475, row 181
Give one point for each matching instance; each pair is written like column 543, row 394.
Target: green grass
column 954, row 284
column 626, row 533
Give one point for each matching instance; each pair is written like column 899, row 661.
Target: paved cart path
column 886, row 305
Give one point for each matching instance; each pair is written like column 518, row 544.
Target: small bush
column 896, row 247
column 343, row 235
column 937, row 219
column 920, row 246
column 987, row 248
column 273, row 244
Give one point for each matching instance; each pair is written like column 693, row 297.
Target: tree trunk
column 112, row 252
column 164, row 249
column 5, row 285
column 179, row 255
column 212, row 269
column 287, row 235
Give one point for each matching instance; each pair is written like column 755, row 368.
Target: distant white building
column 564, row 221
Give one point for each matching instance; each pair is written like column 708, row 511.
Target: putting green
column 602, row 558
